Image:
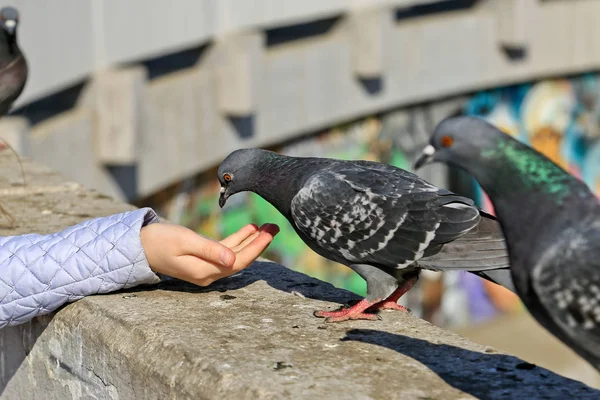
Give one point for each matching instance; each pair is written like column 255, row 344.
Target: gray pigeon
column 383, row 222
column 551, row 221
column 13, row 66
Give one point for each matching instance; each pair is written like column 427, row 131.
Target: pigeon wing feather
column 382, row 216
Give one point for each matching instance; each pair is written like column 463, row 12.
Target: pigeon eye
column 227, row 177
column 447, row 141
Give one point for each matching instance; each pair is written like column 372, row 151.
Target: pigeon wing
column 383, row 217
column 566, row 281
column 482, row 248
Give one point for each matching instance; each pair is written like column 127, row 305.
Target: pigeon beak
column 426, row 157
column 223, row 196
column 10, row 26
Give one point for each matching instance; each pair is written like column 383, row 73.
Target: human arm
column 40, row 273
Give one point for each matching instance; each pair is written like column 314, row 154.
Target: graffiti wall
column 558, row 117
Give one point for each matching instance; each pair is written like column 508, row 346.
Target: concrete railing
column 132, row 132
column 248, row 336
column 67, row 40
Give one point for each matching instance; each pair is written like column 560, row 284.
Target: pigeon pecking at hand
column 383, row 222
column 13, row 66
column 551, row 221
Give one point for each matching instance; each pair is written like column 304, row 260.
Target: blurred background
column 141, row 99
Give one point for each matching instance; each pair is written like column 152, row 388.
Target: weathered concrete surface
column 252, row 337
column 249, row 336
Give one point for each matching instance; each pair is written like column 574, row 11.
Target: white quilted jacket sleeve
column 39, row 273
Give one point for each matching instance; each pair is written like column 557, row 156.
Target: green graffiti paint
column 398, row 159
column 235, row 219
column 206, row 205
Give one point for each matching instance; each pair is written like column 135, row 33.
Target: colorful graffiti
column 560, row 118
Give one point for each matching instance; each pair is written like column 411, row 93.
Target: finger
column 238, row 237
column 246, row 241
column 272, row 229
column 269, row 228
column 209, row 250
column 203, row 273
column 251, row 252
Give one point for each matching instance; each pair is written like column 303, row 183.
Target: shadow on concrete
column 126, row 177
column 515, row 53
column 423, row 10
column 16, row 342
column 372, row 86
column 483, row 375
column 275, row 275
column 49, row 106
column 243, row 125
column 286, row 34
column 173, row 62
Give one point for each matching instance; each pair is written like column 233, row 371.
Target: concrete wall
column 67, row 40
column 252, row 88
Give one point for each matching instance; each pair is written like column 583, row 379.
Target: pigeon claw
column 343, row 315
column 357, row 311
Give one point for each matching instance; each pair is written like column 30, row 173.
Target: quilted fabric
column 39, row 273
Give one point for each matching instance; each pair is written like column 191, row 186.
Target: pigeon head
column 9, row 19
column 239, row 170
column 460, row 141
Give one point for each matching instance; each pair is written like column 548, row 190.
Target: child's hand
column 179, row 252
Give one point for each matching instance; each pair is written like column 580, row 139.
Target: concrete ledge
column 253, row 336
column 250, row 336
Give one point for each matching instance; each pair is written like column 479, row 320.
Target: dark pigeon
column 383, row 222
column 13, row 66
column 551, row 221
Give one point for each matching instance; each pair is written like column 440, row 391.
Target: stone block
column 369, row 28
column 15, row 132
column 239, row 70
column 516, row 21
column 116, row 98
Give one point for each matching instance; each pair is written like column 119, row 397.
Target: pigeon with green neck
column 551, row 222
